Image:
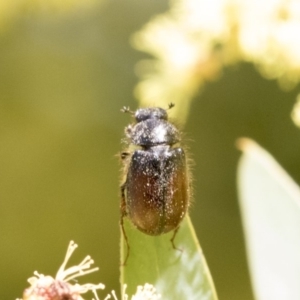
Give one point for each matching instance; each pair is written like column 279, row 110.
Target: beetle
column 156, row 190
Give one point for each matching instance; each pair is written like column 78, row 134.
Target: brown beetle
column 155, row 194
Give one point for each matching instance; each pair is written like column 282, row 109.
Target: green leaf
column 175, row 274
column 270, row 205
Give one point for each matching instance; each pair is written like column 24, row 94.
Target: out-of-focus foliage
column 195, row 39
column 296, row 112
column 11, row 10
column 60, row 131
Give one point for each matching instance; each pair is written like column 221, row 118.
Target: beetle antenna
column 125, row 109
column 171, row 105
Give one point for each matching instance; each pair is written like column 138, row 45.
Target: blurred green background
column 63, row 78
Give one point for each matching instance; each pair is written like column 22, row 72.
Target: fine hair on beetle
column 156, row 184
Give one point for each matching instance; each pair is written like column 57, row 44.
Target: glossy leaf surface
column 270, row 205
column 175, row 274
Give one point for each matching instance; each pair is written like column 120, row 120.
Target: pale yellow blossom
column 59, row 288
column 48, row 288
column 144, row 292
column 195, row 39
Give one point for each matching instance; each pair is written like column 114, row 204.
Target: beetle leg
column 173, row 238
column 123, row 200
column 126, row 241
column 123, row 214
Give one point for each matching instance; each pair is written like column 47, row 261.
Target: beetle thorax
column 153, row 132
